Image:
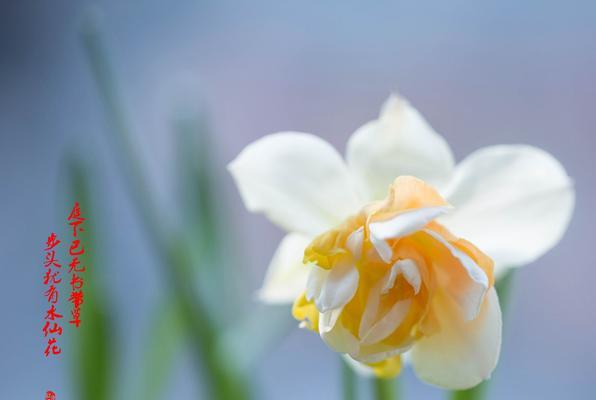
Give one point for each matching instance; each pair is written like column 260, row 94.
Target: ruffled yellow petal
column 401, row 264
column 306, row 312
column 406, row 193
column 329, row 248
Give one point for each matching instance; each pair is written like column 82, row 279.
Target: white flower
column 514, row 202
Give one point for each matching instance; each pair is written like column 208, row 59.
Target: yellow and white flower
column 371, row 260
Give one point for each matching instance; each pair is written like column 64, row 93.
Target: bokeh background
column 483, row 73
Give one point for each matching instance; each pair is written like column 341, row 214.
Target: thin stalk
column 348, row 381
column 224, row 382
column 504, row 289
column 384, row 389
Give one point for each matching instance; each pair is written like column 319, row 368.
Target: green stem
column 225, row 382
column 384, row 389
column 476, row 393
column 504, row 289
column 348, row 380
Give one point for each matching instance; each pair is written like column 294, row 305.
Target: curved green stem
column 476, row 393
column 348, row 381
column 384, row 389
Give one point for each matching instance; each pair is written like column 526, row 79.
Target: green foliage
column 93, row 342
column 165, row 340
column 174, row 250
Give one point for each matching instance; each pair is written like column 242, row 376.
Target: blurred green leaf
column 224, row 379
column 207, row 227
column 263, row 327
column 93, row 342
column 205, row 221
column 165, row 340
column 197, row 182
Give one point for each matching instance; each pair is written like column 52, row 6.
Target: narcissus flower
column 373, row 260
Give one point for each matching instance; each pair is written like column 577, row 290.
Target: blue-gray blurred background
column 483, row 73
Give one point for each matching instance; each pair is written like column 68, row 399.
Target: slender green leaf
column 224, row 380
column 203, row 213
column 93, row 341
column 165, row 340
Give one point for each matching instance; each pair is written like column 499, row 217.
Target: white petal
column 400, row 142
column 406, row 222
column 406, row 358
column 328, row 319
column 471, row 297
column 315, row 281
column 462, row 354
column 358, row 367
column 371, row 309
column 409, row 269
column 382, row 247
column 513, row 202
column 402, row 224
column 373, row 326
column 298, row 180
column 339, row 339
column 338, row 288
column 387, row 323
column 380, row 351
column 354, row 243
column 286, row 276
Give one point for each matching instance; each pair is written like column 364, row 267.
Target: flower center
column 374, row 279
